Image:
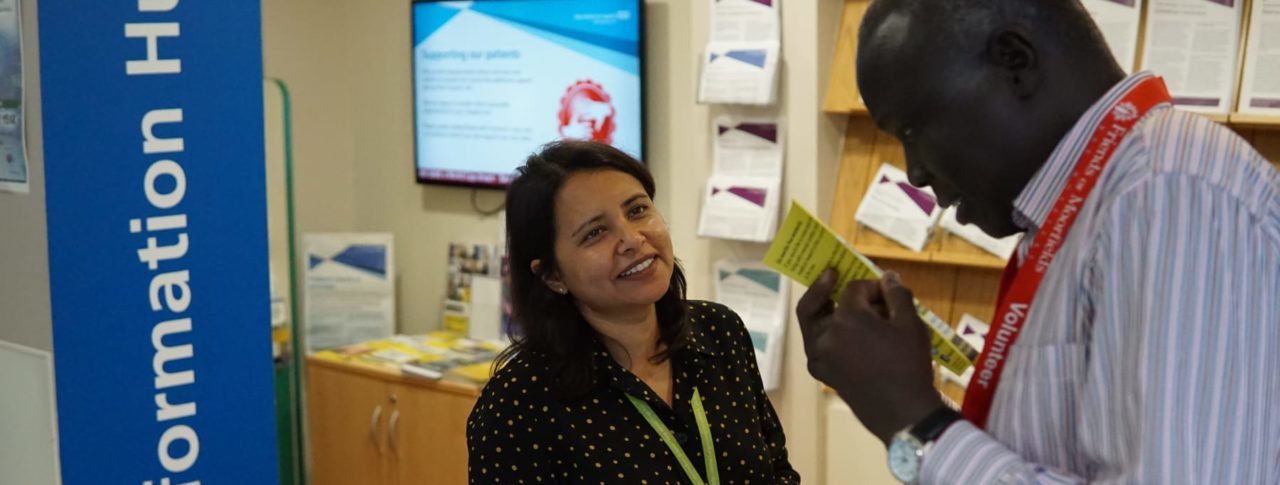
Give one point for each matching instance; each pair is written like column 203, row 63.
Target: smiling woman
column 613, row 375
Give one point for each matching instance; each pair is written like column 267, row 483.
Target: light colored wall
column 854, row 454
column 305, row 43
column 25, row 315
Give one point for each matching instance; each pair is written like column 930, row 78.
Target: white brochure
column 744, row 190
column 744, row 21
column 1194, row 45
column 1119, row 21
column 740, row 65
column 14, row 175
column 973, row 331
column 1003, row 247
column 349, row 280
column 898, row 210
column 741, row 208
column 748, row 147
column 762, row 298
column 1260, row 90
column 740, row 73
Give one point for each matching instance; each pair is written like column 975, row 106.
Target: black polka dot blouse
column 520, row 431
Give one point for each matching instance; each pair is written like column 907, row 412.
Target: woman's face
column 612, row 246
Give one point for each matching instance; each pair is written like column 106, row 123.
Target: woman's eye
column 592, row 234
column 639, row 210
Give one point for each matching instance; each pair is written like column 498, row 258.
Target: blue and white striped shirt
column 1152, row 350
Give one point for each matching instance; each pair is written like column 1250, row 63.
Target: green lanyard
column 704, row 431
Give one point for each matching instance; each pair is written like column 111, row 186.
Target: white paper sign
column 485, row 322
column 739, row 73
column 1194, row 45
column 743, row 192
column 748, row 147
column 14, row 174
column 350, row 288
column 898, row 210
column 762, row 298
column 1003, row 248
column 742, row 208
column 1118, row 20
column 1260, row 93
column 973, row 331
column 744, row 21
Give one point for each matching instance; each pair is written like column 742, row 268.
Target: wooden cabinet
column 376, row 427
column 431, row 436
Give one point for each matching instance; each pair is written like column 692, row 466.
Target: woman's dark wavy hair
column 550, row 327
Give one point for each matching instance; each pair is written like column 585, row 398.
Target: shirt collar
column 1036, row 200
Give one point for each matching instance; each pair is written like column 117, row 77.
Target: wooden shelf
column 1247, row 120
column 895, row 253
column 1218, row 117
column 985, row 261
column 952, row 258
column 1234, row 120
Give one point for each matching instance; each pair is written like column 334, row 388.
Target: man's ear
column 1011, row 51
column 550, row 278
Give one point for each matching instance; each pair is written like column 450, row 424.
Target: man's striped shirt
column 1152, row 350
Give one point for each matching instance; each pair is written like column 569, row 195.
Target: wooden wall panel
column 975, row 294
column 851, row 183
column 1268, row 143
column 842, row 90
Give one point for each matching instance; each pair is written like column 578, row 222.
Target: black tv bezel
column 413, row 95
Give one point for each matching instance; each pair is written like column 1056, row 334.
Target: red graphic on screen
column 586, row 113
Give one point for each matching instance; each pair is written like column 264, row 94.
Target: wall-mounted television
column 494, row 80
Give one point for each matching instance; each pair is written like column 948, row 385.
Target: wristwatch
column 907, row 449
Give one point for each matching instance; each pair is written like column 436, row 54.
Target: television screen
column 494, row 80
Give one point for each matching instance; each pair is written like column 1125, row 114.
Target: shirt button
column 682, row 437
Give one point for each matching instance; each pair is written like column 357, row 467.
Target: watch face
column 904, row 459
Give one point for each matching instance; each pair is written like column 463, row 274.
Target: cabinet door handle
column 373, row 428
column 391, row 435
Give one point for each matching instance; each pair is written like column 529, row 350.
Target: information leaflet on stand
column 1194, row 45
column 974, row 331
column 742, row 195
column 898, row 210
column 740, row 64
column 1260, row 91
column 1002, row 248
column 760, row 296
column 350, row 289
column 13, row 141
column 1119, row 21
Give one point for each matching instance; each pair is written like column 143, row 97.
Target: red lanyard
column 1019, row 285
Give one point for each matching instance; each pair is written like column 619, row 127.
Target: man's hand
column 872, row 349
